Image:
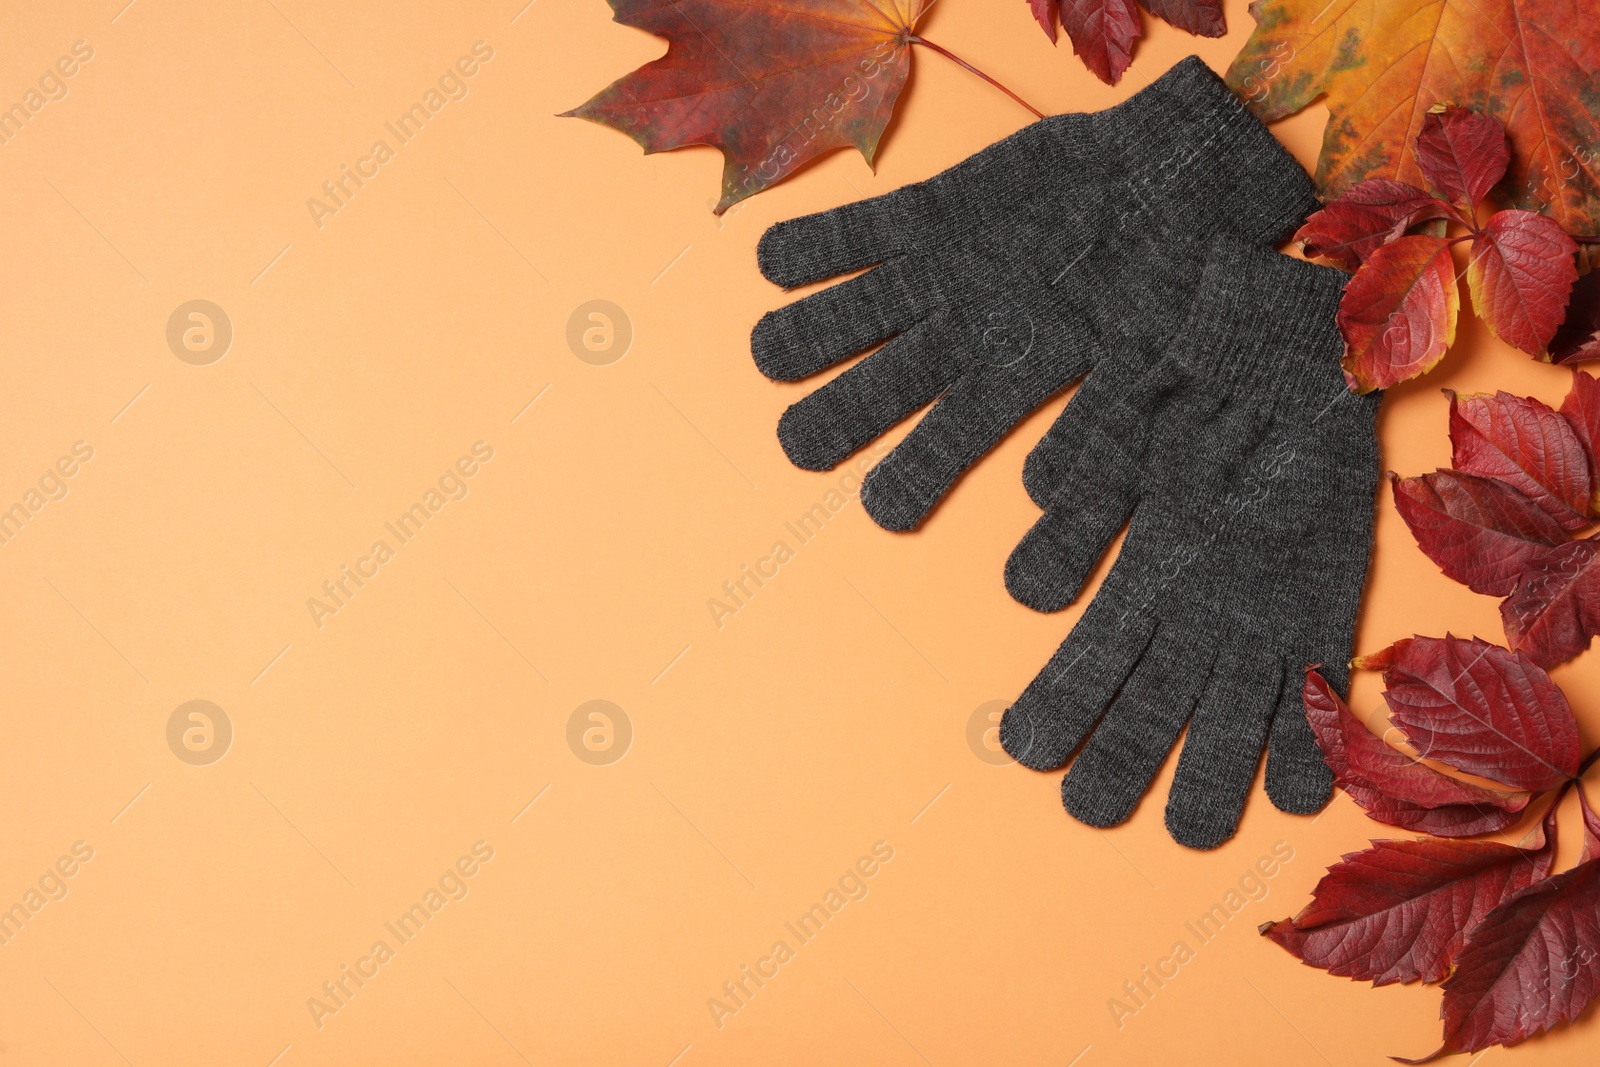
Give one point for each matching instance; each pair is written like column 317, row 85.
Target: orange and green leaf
column 1383, row 65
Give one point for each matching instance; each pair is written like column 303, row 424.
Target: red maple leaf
column 773, row 86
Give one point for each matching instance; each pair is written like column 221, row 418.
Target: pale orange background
column 369, row 754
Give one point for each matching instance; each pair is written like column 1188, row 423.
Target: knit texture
column 1002, row 280
column 1246, row 472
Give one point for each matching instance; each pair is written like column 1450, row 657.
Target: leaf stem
column 1589, row 761
column 964, row 65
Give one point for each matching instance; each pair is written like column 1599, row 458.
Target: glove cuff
column 1194, row 153
column 1265, row 325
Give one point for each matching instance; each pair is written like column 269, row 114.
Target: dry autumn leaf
column 1481, row 709
column 1526, row 444
column 1393, row 787
column 1398, row 314
column 1103, row 31
column 1384, row 64
column 773, row 86
column 1400, row 910
column 1532, row 963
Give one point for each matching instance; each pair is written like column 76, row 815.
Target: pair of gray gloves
column 1132, row 248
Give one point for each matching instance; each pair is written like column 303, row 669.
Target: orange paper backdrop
column 396, row 829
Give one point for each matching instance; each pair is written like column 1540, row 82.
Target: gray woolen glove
column 1246, row 471
column 1003, row 279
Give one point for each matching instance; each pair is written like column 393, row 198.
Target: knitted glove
column 1249, row 472
column 1008, row 276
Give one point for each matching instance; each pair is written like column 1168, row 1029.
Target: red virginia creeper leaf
column 1203, row 18
column 1555, row 608
column 1578, row 336
column 1480, row 531
column 772, row 86
column 1392, row 787
column 1533, row 962
column 1462, row 154
column 1369, row 215
column 1400, row 910
column 1102, row 32
column 1581, row 409
column 1045, row 13
column 1483, row 710
column 1525, row 444
column 1398, row 314
column 1520, row 274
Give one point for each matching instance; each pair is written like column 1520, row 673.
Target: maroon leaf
column 1400, row 910
column 1520, row 274
column 1483, row 710
column 1555, row 608
column 1581, row 409
column 1578, row 337
column 1480, row 531
column 1045, row 12
column 1462, row 154
column 1393, row 787
column 1525, row 444
column 1203, row 18
column 1533, row 962
column 1591, row 826
column 1369, row 215
column 1102, row 32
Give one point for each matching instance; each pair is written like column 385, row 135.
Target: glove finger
column 1223, row 750
column 1123, row 754
column 828, row 243
column 1066, row 698
column 1048, row 567
column 819, row 330
column 979, row 409
column 1117, row 404
column 861, row 404
column 1298, row 781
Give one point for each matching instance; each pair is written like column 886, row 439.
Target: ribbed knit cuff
column 1264, row 324
column 1195, row 153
